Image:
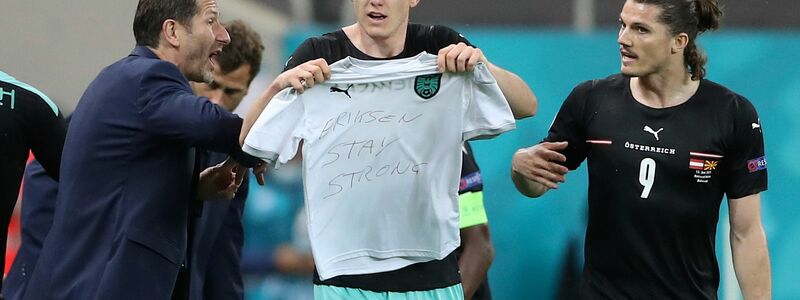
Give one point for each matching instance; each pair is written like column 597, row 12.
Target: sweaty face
column 201, row 42
column 645, row 43
column 227, row 90
column 382, row 19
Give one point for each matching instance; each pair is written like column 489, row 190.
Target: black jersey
column 29, row 121
column 656, row 180
column 335, row 46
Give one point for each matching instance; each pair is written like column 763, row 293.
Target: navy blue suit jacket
column 120, row 224
column 38, row 202
column 217, row 246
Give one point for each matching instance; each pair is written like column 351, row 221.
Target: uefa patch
column 757, row 164
column 470, row 181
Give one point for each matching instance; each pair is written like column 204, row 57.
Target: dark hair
column 151, row 14
column 245, row 48
column 692, row 17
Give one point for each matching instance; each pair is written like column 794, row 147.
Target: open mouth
column 212, row 56
column 627, row 55
column 376, row 16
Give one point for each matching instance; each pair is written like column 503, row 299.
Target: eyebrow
column 638, row 24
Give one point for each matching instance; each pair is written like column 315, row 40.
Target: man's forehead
column 640, row 12
column 208, row 6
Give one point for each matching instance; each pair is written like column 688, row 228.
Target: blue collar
column 143, row 51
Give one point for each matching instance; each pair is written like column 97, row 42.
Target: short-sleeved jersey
column 334, row 46
column 367, row 170
column 29, row 121
column 656, row 180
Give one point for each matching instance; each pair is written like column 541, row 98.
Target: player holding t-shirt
column 383, row 32
column 663, row 146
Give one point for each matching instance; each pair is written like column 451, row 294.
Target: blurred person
column 29, row 122
column 663, row 145
column 128, row 178
column 383, row 32
column 277, row 260
column 218, row 233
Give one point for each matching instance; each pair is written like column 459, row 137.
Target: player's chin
column 631, row 72
column 208, row 75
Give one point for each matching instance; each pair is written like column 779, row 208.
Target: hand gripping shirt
column 381, row 157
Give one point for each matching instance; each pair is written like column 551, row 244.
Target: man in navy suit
column 219, row 233
column 127, row 177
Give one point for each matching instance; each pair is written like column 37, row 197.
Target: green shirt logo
column 427, row 86
column 11, row 97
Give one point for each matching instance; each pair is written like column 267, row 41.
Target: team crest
column 426, row 86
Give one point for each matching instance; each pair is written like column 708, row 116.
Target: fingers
column 441, row 58
column 240, row 174
column 260, row 179
column 458, row 58
column 306, row 75
column 259, row 171
column 542, row 164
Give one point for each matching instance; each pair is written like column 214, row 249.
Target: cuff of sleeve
column 244, row 159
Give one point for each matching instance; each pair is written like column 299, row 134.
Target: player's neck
column 665, row 89
column 376, row 46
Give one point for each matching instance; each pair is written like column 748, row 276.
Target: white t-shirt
column 381, row 157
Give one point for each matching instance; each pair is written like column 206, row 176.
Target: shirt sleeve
column 569, row 125
column 747, row 165
column 47, row 139
column 275, row 135
column 172, row 111
column 303, row 53
column 487, row 113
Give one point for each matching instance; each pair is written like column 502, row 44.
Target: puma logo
column 344, row 91
column 756, row 125
column 650, row 130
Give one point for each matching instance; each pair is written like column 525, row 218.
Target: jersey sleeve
column 747, row 167
column 569, row 125
column 276, row 134
column 47, row 139
column 303, row 53
column 40, row 121
column 487, row 113
column 443, row 36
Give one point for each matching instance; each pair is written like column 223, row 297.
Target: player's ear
column 679, row 42
column 413, row 3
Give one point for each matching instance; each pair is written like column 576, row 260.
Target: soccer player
column 663, row 146
column 29, row 121
column 383, row 31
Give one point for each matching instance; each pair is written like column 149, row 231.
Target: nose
column 622, row 37
column 221, row 34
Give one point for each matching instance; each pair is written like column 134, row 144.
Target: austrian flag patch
column 757, row 164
